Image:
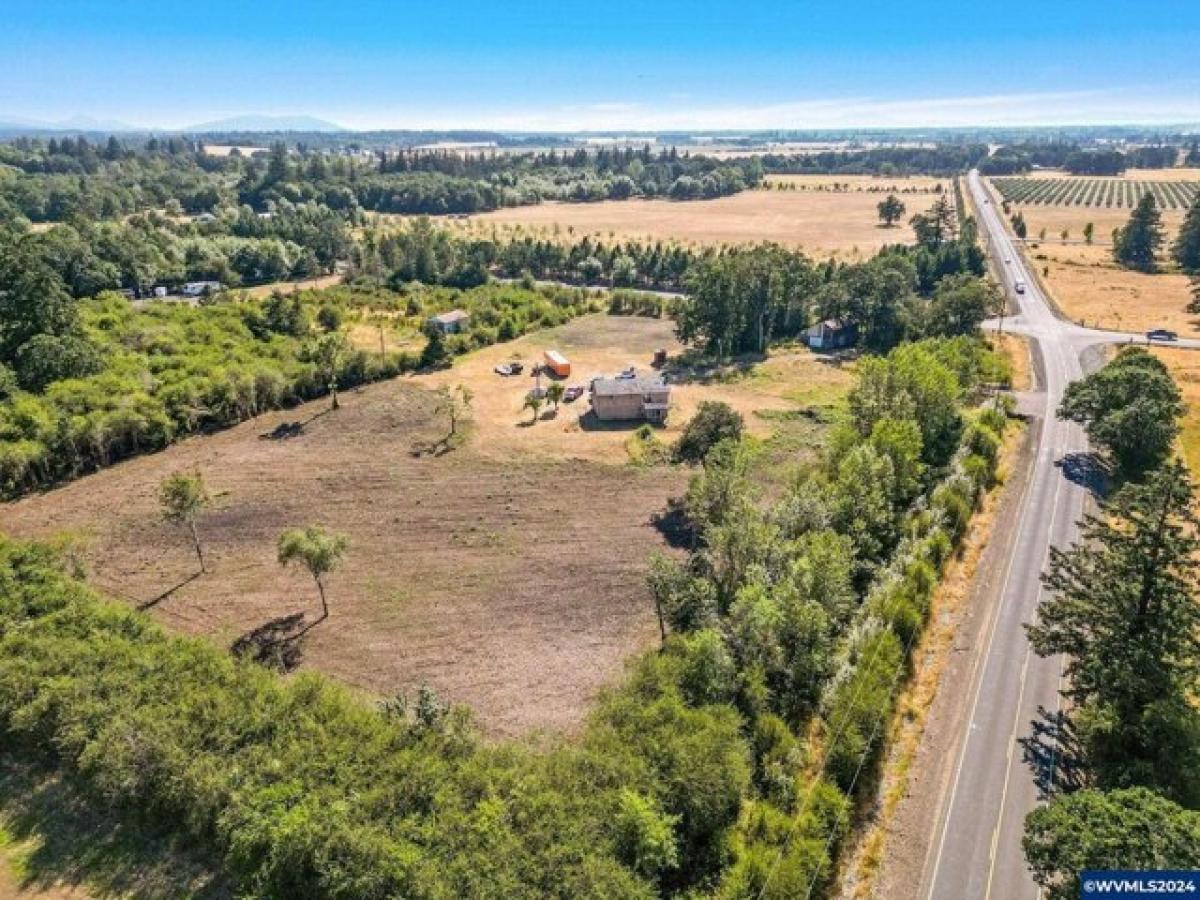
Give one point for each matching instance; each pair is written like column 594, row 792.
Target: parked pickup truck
column 573, row 393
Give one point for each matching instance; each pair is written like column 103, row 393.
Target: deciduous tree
column 1130, row 409
column 1123, row 829
column 890, row 210
column 183, row 498
column 318, row 550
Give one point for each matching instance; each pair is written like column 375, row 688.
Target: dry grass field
column 604, row 345
column 1073, row 218
column 1184, row 366
column 824, row 223
column 507, row 573
column 1090, row 288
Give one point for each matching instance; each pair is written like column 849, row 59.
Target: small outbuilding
column 451, row 322
column 629, row 399
column 832, row 334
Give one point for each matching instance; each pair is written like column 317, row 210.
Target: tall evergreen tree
column 1122, row 608
column 1137, row 244
column 1186, row 249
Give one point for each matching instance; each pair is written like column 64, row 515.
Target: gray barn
column 618, row 399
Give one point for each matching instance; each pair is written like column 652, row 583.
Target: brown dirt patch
column 512, row 585
column 824, row 223
column 288, row 287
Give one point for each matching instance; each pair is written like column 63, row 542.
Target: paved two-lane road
column 1006, row 757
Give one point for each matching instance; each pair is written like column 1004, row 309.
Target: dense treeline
column 1121, row 605
column 690, row 779
column 67, row 179
column 738, row 299
column 741, row 299
column 1018, row 159
column 939, row 159
column 422, row 252
column 104, row 381
column 148, row 250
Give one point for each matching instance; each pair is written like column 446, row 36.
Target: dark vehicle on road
column 1161, row 334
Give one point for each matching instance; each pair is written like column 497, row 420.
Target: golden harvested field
column 507, row 573
column 1089, row 287
column 227, row 149
column 1184, row 366
column 823, row 223
column 913, row 184
column 1055, row 218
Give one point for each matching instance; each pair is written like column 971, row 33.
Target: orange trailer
column 557, row 363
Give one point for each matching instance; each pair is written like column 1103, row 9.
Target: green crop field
column 1095, row 192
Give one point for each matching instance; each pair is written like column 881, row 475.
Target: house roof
column 455, row 315
column 833, row 324
column 615, row 387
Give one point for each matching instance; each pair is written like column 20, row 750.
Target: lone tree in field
column 455, row 404
column 1089, row 232
column 533, row 403
column 1130, row 408
column 1020, row 229
column 326, row 352
column 1136, row 245
column 318, row 550
column 554, row 393
column 183, row 498
column 1186, row 249
column 891, row 210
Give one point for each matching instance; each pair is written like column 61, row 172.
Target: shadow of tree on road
column 1053, row 753
column 1087, row 470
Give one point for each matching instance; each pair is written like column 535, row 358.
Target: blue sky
column 607, row 64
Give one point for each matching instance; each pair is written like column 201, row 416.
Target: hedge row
column 861, row 698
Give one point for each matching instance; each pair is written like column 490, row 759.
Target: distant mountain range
column 248, row 123
column 264, row 123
